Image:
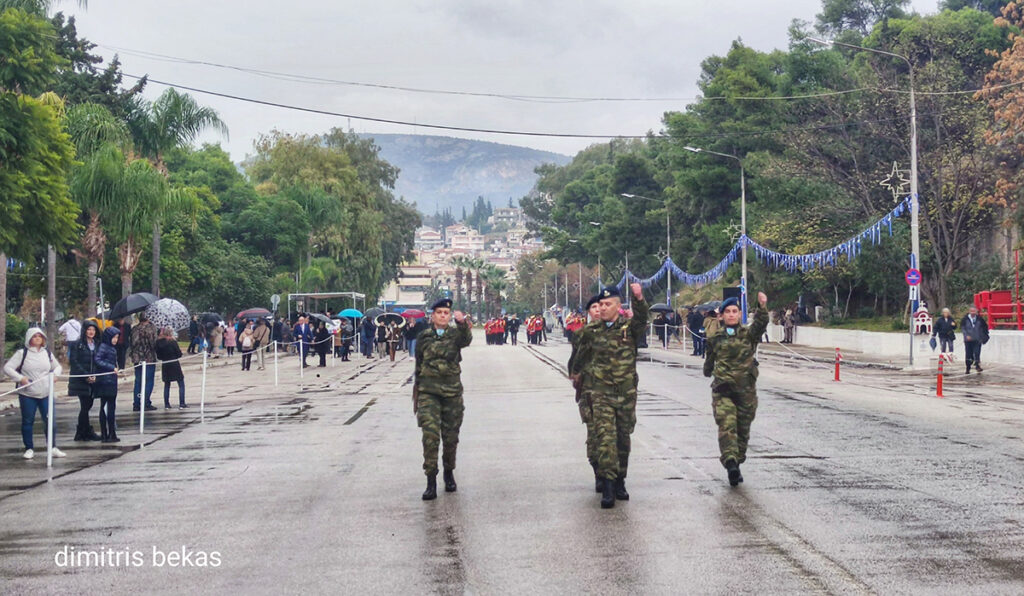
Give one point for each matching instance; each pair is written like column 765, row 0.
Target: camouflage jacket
column 438, row 358
column 730, row 358
column 143, row 343
column 605, row 355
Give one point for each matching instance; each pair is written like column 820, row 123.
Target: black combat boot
column 431, row 493
column 598, row 481
column 449, row 482
column 90, row 434
column 608, row 494
column 734, row 472
column 620, row 490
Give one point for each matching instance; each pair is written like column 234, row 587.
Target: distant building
column 460, row 237
column 509, row 216
column 428, row 239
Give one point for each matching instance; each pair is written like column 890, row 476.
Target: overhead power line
column 386, row 120
column 527, row 97
column 498, row 131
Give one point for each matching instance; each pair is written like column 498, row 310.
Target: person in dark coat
column 975, row 330
column 168, row 353
column 944, row 328
column 194, row 337
column 82, row 357
column 322, row 340
column 105, row 387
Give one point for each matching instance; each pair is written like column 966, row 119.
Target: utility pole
column 915, row 232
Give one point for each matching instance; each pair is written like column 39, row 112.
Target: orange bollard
column 838, row 358
column 938, row 381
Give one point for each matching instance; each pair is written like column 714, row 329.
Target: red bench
column 1002, row 310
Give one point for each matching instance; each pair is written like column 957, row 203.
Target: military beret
column 609, row 292
column 593, row 300
column 733, row 301
column 442, row 303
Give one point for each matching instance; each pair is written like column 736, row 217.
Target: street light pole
column 915, row 233
column 743, row 225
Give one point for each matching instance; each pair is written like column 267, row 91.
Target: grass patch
column 868, row 324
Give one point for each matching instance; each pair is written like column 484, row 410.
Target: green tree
column 35, row 152
column 99, row 139
column 173, row 120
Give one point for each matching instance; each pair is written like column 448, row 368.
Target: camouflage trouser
column 614, row 420
column 734, row 413
column 440, row 419
column 587, row 415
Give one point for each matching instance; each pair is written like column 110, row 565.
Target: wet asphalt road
column 865, row 486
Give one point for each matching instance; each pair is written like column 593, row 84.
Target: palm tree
column 461, row 263
column 496, row 284
column 173, row 120
column 98, row 138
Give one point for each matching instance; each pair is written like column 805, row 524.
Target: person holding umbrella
column 168, row 351
column 322, row 340
column 246, row 342
column 260, row 341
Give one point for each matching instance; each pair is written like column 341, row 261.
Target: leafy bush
column 16, row 328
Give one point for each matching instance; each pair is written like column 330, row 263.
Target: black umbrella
column 373, row 312
column 320, row 317
column 661, row 307
column 210, row 317
column 132, row 303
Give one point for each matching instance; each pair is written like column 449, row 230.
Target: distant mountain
column 439, row 172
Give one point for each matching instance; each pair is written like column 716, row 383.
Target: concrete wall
column 1003, row 346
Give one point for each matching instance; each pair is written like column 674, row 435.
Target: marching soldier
column 582, row 398
column 730, row 359
column 437, row 391
column 607, row 351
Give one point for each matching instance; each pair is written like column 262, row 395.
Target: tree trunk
column 3, row 303
column 51, row 295
column 156, row 258
column 90, row 309
column 128, row 254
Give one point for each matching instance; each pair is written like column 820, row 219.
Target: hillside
column 439, row 172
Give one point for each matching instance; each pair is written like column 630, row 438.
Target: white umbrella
column 167, row 312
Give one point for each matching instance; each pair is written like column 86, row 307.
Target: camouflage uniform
column 730, row 359
column 584, row 402
column 440, row 407
column 606, row 357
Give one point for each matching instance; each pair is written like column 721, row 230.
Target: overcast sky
column 580, row 48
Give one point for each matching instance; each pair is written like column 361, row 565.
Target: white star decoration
column 896, row 182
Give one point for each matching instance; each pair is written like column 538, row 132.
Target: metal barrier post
column 142, row 400
column 49, row 427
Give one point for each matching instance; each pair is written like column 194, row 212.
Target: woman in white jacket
column 29, row 368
